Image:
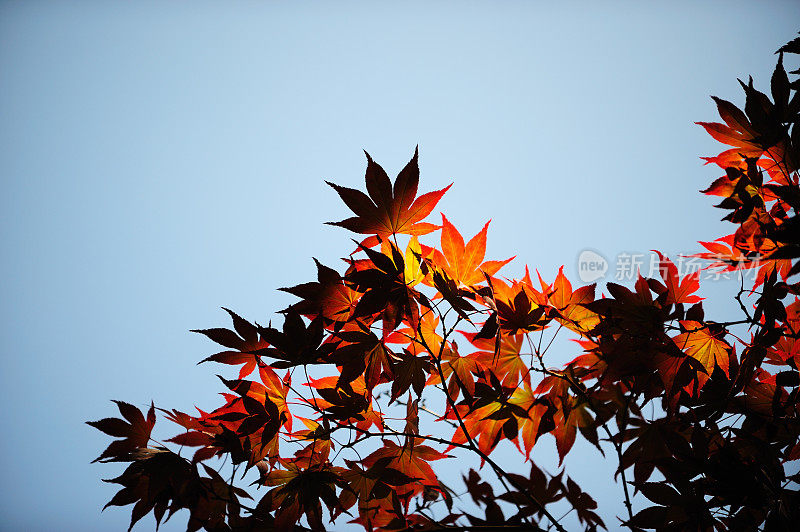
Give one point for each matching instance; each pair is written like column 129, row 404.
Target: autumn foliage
column 701, row 416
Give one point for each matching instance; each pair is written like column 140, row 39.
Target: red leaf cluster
column 702, row 416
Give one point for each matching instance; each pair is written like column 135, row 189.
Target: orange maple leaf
column 506, row 361
column 457, row 370
column 485, row 430
column 524, row 397
column 463, row 263
column 704, row 345
column 570, row 304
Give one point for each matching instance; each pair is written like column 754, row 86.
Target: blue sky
column 160, row 160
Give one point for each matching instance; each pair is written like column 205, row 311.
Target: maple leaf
column 328, row 296
column 571, row 305
column 571, row 411
column 362, row 485
column 489, row 416
column 736, row 131
column 245, row 340
column 483, row 493
column 504, row 360
column 320, row 436
column 379, row 505
column 676, row 370
column 135, row 430
column 362, row 353
column 201, row 432
column 262, row 419
column 706, row 344
column 449, row 291
column 522, row 313
column 725, row 255
column 457, row 370
column 583, row 503
column 634, row 314
column 346, row 404
column 536, row 484
column 762, row 394
column 216, row 500
column 245, row 426
column 297, row 344
column 538, row 417
column 678, row 290
column 463, row 263
column 299, row 491
column 389, row 210
column 414, row 256
column 571, row 414
column 483, row 426
column 384, row 289
column 409, row 370
column 411, row 460
column 158, row 480
column 205, row 439
column 422, row 338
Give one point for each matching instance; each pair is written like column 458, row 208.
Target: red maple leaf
column 678, row 290
column 389, row 210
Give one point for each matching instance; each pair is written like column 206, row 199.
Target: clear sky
column 160, row 160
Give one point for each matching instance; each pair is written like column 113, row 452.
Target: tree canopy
column 701, row 416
